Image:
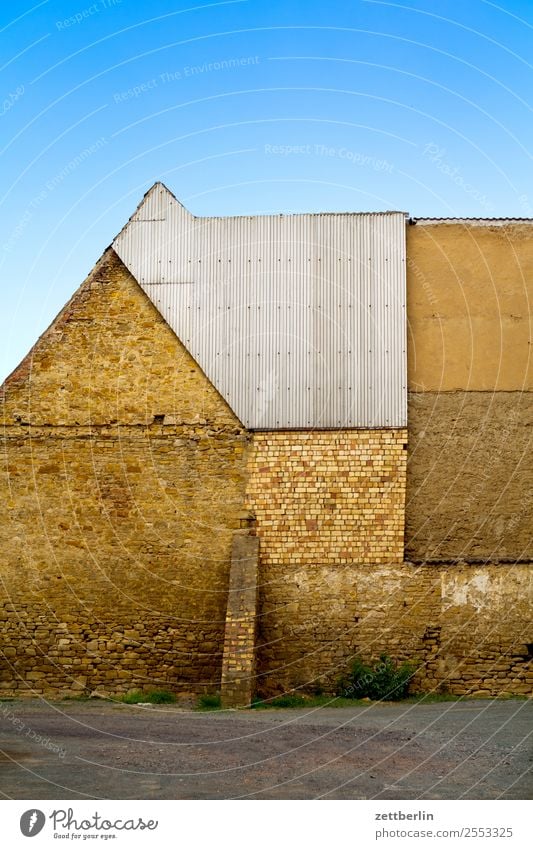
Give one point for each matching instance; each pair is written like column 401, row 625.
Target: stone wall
column 123, row 475
column 466, row 628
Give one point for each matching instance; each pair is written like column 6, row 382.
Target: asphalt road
column 450, row 750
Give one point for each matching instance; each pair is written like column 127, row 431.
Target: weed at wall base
column 380, row 680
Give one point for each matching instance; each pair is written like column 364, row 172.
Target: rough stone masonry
column 126, row 479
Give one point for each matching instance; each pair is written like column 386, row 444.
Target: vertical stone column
column 238, row 660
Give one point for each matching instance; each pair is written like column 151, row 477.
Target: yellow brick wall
column 332, row 497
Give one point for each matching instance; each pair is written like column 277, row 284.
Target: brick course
column 330, row 497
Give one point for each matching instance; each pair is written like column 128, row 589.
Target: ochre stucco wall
column 117, row 532
column 470, row 476
column 470, row 404
column 469, row 295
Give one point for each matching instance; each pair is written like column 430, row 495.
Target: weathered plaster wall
column 467, row 628
column 470, row 411
column 470, row 476
column 469, row 294
column 117, row 533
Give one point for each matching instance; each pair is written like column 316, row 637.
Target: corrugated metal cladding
column 298, row 320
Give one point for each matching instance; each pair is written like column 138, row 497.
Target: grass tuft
column 153, row 697
column 208, row 701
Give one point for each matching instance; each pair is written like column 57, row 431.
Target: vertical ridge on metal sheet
column 298, row 320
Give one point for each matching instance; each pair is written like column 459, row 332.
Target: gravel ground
column 448, row 750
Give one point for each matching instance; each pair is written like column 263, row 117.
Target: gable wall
column 117, row 539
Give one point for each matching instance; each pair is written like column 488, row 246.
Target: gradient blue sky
column 423, row 106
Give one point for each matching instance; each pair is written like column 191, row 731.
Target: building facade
column 249, row 449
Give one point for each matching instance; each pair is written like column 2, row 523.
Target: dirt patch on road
column 69, row 750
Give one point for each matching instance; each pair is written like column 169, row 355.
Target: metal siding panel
column 299, row 321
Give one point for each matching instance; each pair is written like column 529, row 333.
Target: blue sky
column 247, row 107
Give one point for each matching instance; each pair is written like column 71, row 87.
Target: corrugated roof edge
column 264, row 215
column 141, row 202
column 483, row 222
